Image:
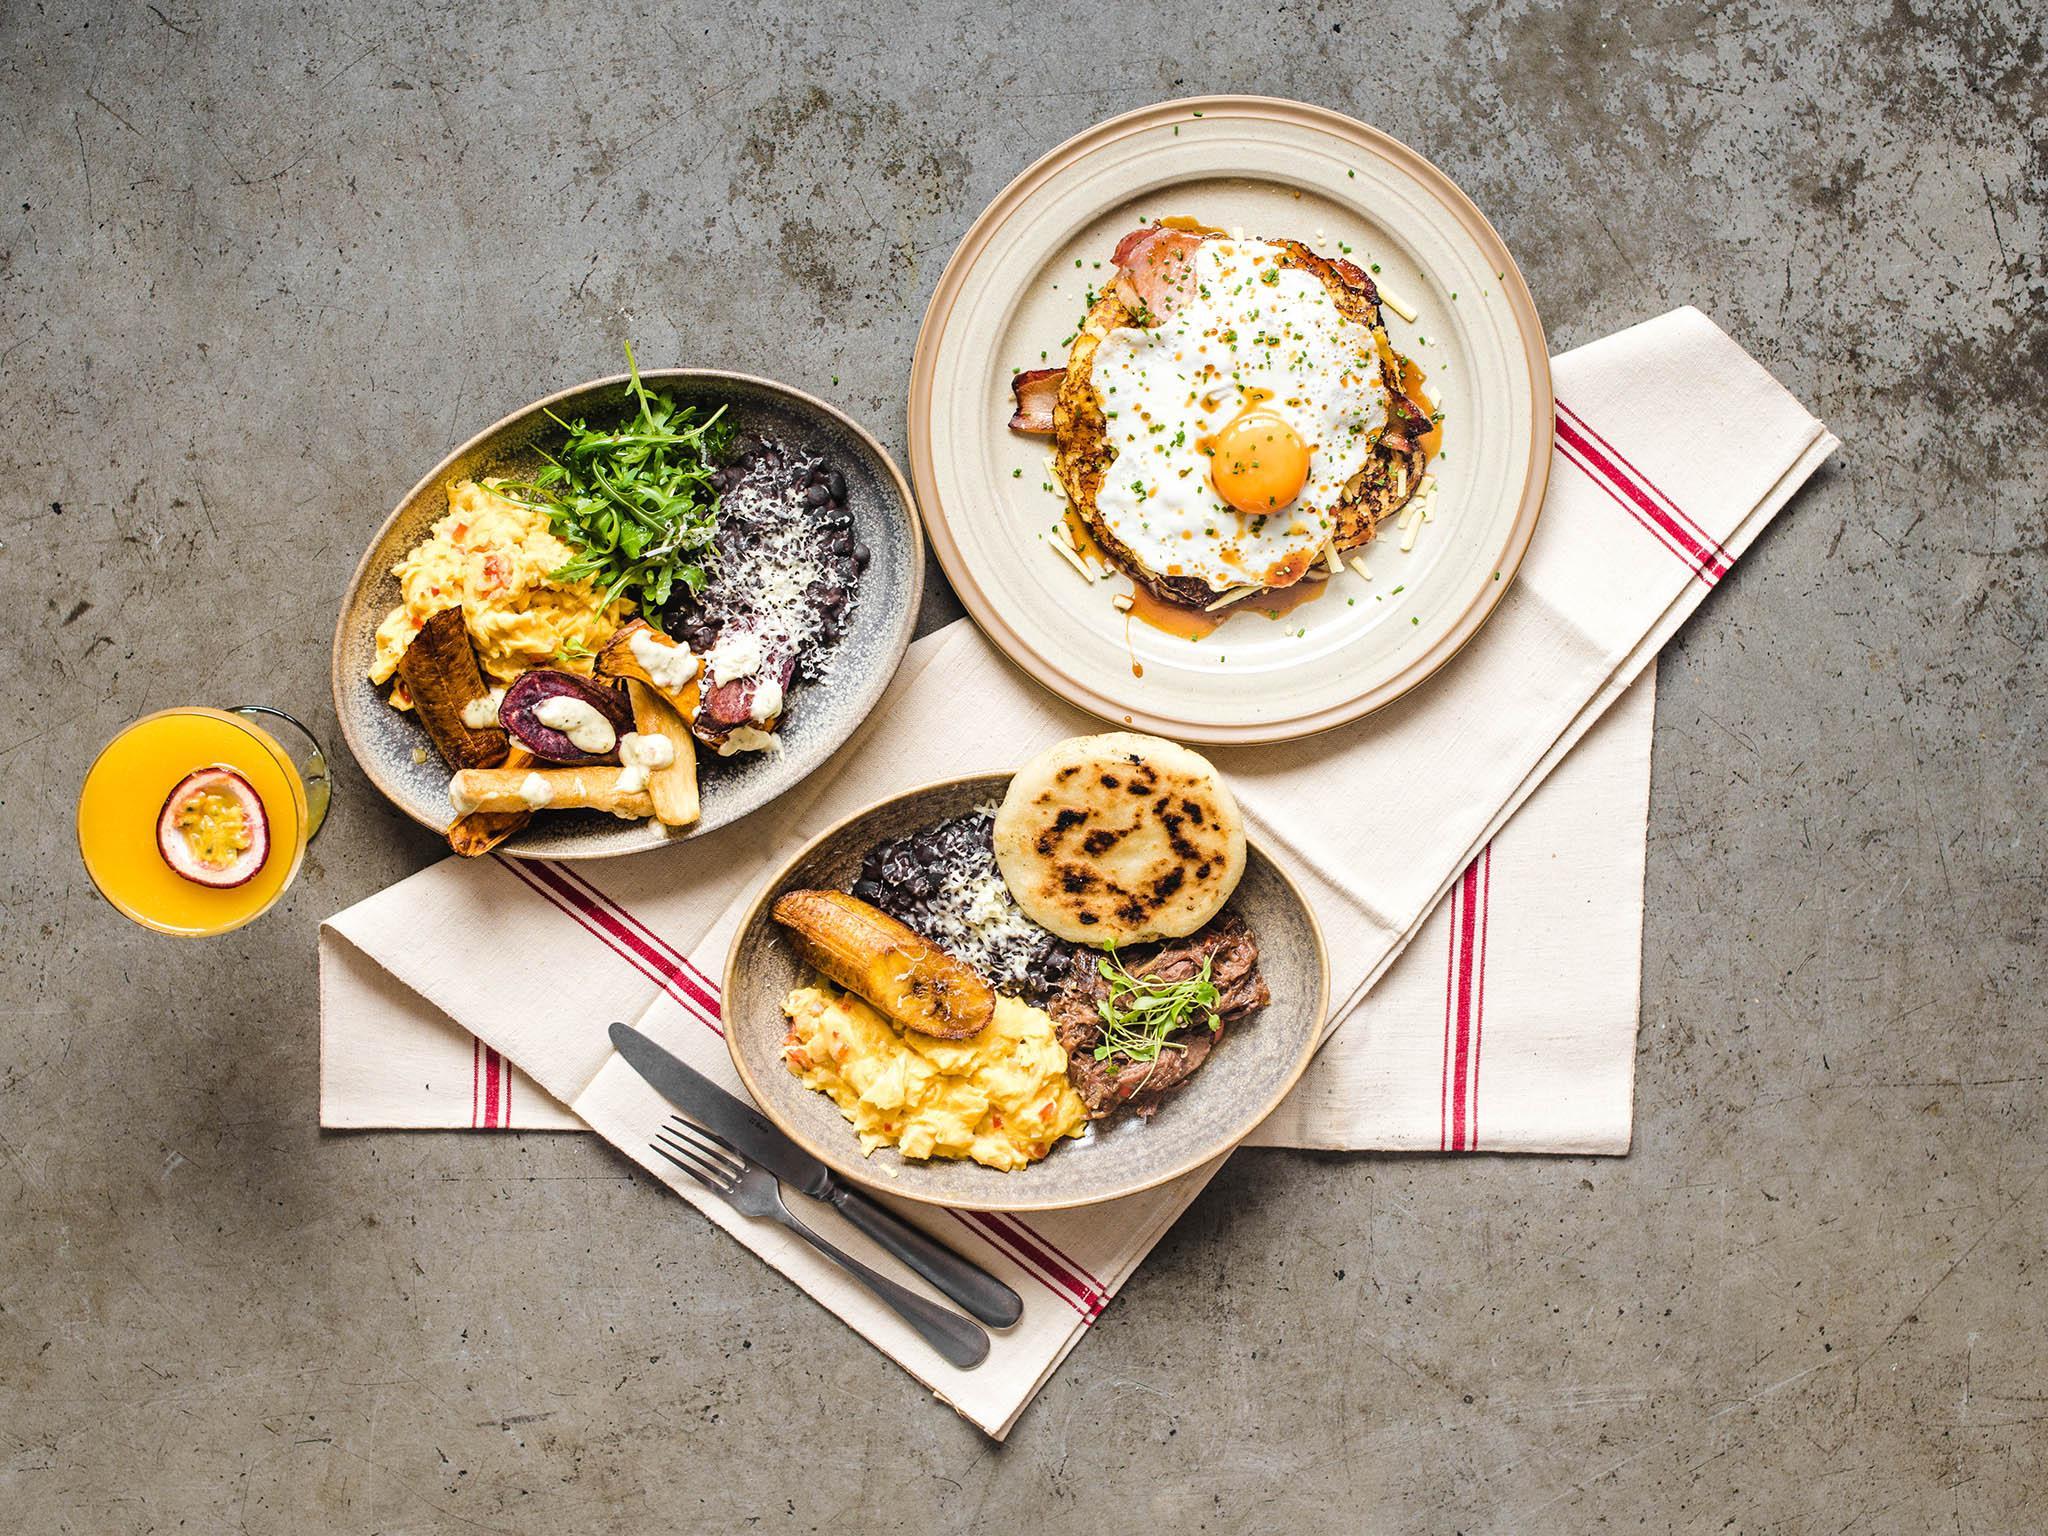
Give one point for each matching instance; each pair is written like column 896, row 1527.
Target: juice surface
column 126, row 789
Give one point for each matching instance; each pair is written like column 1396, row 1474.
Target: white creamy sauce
column 767, row 700
column 1236, row 339
column 648, row 751
column 671, row 666
column 632, row 779
column 587, row 729
column 535, row 791
column 737, row 654
column 748, row 739
column 481, row 714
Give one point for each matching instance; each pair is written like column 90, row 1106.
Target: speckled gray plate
column 1243, row 1081
column 821, row 715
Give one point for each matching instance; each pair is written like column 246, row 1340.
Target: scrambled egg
column 492, row 555
column 1000, row 1097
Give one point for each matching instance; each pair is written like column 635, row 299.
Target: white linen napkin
column 1674, row 449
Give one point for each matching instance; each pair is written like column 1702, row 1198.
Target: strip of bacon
column 1137, row 237
column 1157, row 271
column 1037, row 391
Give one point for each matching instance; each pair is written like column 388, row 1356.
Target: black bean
column 836, row 483
column 816, row 496
column 861, row 555
column 867, row 890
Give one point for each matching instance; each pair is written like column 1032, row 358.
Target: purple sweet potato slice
column 530, row 690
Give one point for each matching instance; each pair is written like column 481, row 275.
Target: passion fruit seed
column 215, row 828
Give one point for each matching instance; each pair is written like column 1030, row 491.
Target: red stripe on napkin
column 1578, row 445
column 1719, row 551
column 1025, row 1245
column 701, row 986
column 1464, row 1006
column 493, row 1065
column 609, row 932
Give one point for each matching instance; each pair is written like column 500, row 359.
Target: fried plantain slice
column 870, row 953
column 440, row 674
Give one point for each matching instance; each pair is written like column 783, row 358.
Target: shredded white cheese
column 1393, row 302
column 1073, row 559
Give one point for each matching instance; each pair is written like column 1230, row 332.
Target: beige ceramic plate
column 1012, row 295
column 393, row 749
column 1242, row 1082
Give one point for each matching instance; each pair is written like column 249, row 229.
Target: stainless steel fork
column 754, row 1191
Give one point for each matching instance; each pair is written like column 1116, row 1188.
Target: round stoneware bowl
column 394, row 750
column 1243, row 1082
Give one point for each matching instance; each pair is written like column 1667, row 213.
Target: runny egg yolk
column 1257, row 462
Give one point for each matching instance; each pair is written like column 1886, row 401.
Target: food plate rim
column 899, row 643
column 851, row 1166
column 1046, row 672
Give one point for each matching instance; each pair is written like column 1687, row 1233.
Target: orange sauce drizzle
column 1173, row 619
column 1408, row 373
column 1199, row 623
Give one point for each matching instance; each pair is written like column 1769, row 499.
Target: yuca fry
column 478, row 832
column 439, row 671
column 498, row 790
column 616, row 659
column 674, row 788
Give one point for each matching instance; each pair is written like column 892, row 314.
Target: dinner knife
column 750, row 1133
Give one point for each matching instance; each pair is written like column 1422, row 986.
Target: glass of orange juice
column 194, row 820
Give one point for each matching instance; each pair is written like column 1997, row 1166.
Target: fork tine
column 715, row 1181
column 708, row 1146
column 704, row 1158
column 697, row 1132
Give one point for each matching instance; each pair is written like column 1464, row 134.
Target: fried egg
column 1237, row 421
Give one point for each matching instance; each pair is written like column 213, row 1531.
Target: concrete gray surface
column 259, row 265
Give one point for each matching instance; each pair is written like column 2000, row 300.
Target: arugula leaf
column 635, row 503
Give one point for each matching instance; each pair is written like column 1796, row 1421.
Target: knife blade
column 753, row 1135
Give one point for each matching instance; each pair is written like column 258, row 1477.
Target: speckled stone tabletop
column 260, row 264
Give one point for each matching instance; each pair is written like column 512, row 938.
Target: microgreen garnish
column 1142, row 1012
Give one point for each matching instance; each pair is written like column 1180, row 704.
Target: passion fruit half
column 212, row 829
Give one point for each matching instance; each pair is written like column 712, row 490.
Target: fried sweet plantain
column 440, row 674
column 865, row 950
